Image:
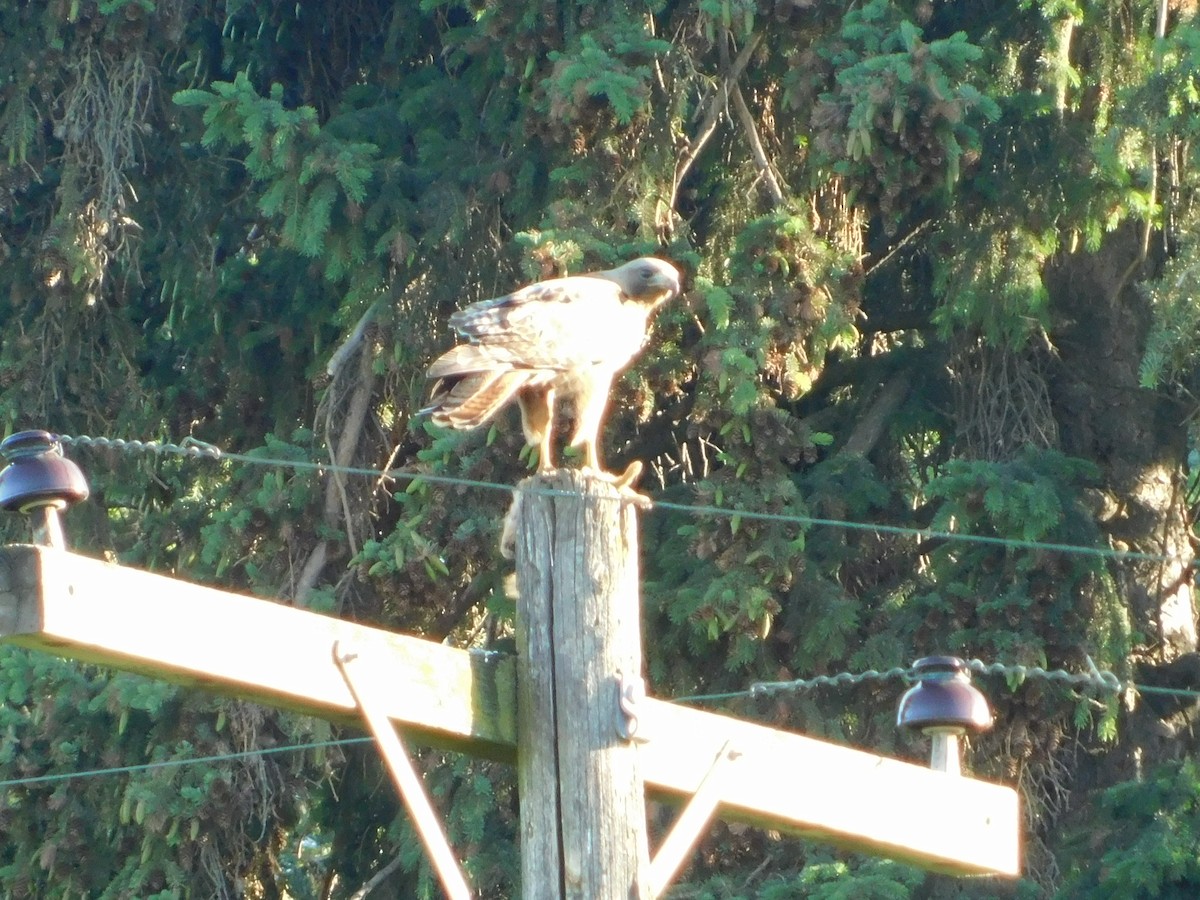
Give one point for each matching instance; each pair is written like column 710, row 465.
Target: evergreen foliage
column 1143, row 838
column 940, row 275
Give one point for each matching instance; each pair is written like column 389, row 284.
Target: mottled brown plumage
column 564, row 339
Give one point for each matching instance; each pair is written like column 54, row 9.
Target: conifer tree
column 940, row 280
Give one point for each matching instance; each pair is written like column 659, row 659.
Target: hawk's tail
column 471, row 400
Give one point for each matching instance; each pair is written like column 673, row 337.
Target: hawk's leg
column 537, row 421
column 590, row 403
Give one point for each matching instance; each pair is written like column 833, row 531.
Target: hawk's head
column 647, row 280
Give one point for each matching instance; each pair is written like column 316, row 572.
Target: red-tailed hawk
column 564, row 339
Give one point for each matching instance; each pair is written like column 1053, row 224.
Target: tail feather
column 473, row 400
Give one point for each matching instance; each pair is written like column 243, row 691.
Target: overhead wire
column 186, row 761
column 200, row 450
column 1101, row 681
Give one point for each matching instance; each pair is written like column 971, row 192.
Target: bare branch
column 341, row 454
column 712, row 117
column 920, row 229
column 761, row 161
column 348, row 346
column 376, row 880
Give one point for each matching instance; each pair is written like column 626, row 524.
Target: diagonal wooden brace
column 363, row 685
column 691, row 822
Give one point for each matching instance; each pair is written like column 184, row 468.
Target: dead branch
column 341, row 453
column 712, row 117
column 761, row 161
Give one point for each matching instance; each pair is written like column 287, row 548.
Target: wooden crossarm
column 98, row 612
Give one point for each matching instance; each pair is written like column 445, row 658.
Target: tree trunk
column 1139, row 441
column 1137, row 438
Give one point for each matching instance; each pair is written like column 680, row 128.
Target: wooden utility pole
column 567, row 742
column 583, row 812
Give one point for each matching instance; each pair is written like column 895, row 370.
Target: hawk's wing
column 559, row 325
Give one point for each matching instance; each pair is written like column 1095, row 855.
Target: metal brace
column 692, row 821
column 631, row 690
column 364, row 685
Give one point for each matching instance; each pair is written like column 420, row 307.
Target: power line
column 167, row 763
column 189, row 447
column 200, row 450
column 1102, row 681
column 925, row 534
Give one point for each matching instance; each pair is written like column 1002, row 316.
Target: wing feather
column 552, row 324
column 469, row 358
